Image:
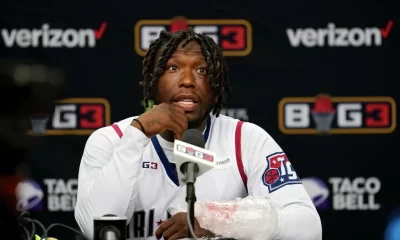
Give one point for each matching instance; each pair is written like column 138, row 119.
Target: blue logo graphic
column 29, row 196
column 318, row 191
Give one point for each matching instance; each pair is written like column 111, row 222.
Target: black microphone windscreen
column 194, row 137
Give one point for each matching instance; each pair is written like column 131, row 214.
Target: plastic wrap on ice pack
column 252, row 218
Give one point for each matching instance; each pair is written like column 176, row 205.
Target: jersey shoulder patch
column 279, row 172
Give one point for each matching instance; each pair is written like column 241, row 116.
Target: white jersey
column 124, row 173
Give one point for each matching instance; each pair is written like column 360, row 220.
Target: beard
column 196, row 123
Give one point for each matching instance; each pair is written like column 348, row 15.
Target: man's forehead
column 192, row 47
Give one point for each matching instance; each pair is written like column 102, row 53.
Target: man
column 126, row 168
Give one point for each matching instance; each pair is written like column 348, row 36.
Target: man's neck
column 169, row 135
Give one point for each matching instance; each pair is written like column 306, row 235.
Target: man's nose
column 188, row 80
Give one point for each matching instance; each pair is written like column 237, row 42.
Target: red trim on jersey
column 238, row 150
column 117, row 130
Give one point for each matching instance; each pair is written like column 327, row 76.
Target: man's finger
column 174, row 126
column 171, row 231
column 179, row 235
column 179, row 116
column 164, row 226
column 177, row 127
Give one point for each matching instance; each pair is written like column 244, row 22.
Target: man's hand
column 177, row 228
column 161, row 118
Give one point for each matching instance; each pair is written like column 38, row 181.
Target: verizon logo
column 338, row 37
column 52, row 38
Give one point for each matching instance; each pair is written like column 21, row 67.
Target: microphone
column 110, row 233
column 191, row 159
column 110, row 227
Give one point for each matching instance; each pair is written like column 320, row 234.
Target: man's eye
column 202, row 70
column 172, row 68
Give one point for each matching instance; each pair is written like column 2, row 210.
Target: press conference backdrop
column 320, row 77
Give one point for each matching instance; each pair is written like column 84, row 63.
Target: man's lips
column 188, row 106
column 188, row 102
column 186, row 98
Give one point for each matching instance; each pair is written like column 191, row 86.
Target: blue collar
column 170, row 168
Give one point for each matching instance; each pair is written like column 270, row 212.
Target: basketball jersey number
column 142, row 224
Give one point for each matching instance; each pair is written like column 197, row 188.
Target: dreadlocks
column 168, row 42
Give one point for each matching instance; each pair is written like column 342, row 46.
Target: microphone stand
column 191, row 172
column 191, row 199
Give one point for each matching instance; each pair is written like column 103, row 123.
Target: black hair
column 168, row 42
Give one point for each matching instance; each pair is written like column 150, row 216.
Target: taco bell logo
column 29, row 196
column 318, row 192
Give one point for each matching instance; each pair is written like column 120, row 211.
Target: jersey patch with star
column 279, row 172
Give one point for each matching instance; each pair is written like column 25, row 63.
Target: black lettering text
column 139, row 223
column 150, row 229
